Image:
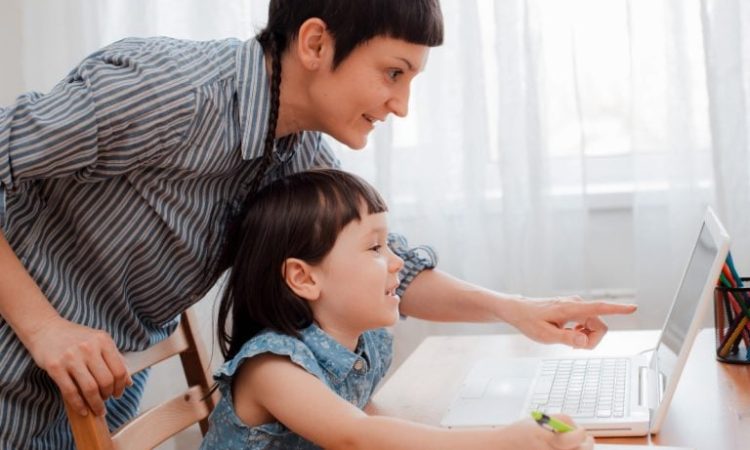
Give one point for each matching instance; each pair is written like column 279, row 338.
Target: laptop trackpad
column 493, row 393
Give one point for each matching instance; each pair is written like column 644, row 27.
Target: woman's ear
column 300, row 278
column 314, row 44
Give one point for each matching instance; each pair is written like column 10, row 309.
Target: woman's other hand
column 83, row 362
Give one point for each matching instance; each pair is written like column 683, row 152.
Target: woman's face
column 372, row 82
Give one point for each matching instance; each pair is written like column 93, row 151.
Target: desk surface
column 710, row 409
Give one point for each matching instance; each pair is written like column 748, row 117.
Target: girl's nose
column 396, row 263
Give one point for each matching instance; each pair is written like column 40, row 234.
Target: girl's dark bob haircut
column 299, row 216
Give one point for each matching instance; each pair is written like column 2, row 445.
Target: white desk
column 710, row 410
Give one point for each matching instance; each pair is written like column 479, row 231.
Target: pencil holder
column 732, row 322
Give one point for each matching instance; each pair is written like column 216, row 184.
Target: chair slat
column 171, row 416
column 177, row 342
column 161, row 422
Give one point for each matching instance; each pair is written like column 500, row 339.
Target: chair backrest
column 159, row 423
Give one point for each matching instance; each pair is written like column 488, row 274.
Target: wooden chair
column 159, row 423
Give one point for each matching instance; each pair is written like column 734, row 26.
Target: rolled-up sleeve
column 416, row 259
column 44, row 136
column 113, row 112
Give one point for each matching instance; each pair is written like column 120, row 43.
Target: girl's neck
column 346, row 338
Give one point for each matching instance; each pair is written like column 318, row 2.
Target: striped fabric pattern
column 115, row 190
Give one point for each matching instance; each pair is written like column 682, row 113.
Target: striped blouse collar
column 254, row 97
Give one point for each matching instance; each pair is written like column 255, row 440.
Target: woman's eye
column 393, row 74
column 376, row 248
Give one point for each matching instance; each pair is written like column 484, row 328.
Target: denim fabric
column 319, row 354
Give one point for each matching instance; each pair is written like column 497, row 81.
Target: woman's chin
column 354, row 141
column 356, row 145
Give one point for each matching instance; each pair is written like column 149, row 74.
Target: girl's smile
column 358, row 281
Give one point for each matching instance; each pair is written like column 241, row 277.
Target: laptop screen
column 687, row 301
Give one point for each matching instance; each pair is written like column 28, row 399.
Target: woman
column 120, row 186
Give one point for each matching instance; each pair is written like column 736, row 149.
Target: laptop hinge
column 650, row 389
column 643, row 386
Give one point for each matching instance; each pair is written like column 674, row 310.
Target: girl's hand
column 546, row 320
column 83, row 362
column 527, row 434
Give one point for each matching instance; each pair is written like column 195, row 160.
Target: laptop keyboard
column 582, row 388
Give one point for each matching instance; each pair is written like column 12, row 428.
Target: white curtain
column 551, row 147
column 558, row 147
column 727, row 42
column 41, row 40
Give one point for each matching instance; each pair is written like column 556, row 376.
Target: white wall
column 11, row 73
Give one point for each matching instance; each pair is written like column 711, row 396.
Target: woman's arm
column 309, row 408
column 83, row 362
column 109, row 115
column 437, row 296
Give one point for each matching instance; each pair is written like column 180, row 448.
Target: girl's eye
column 376, row 248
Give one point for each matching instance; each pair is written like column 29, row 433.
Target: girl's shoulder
column 274, row 343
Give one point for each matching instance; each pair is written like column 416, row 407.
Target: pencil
column 719, row 314
column 740, row 310
column 730, row 263
column 728, row 275
column 732, row 337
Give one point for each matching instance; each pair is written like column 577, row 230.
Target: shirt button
column 359, row 365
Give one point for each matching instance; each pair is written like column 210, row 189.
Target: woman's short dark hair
column 354, row 22
column 299, row 216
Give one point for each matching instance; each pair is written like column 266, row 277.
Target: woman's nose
column 399, row 102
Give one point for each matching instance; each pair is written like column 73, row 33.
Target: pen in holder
column 732, row 321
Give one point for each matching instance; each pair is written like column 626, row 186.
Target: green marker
column 550, row 423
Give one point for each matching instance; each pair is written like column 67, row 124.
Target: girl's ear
column 314, row 44
column 300, row 278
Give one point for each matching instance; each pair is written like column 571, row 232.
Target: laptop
column 617, row 396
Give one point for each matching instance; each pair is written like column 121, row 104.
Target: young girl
column 312, row 287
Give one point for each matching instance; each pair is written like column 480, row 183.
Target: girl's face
column 358, row 280
column 372, row 82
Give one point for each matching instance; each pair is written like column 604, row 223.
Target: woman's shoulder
column 166, row 54
column 164, row 45
column 159, row 56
